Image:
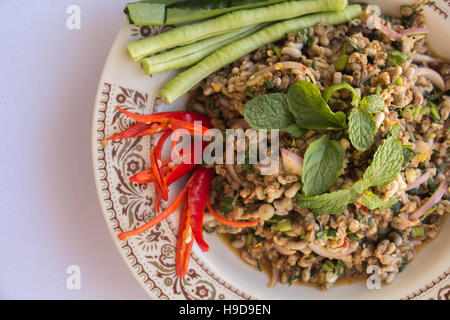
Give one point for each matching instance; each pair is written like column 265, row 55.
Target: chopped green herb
column 396, row 57
column 209, row 103
column 294, row 274
column 386, row 17
column 427, row 213
column 353, row 44
column 277, row 51
column 258, row 263
column 269, row 84
column 340, row 268
column 441, row 168
column 418, row 231
column 328, row 265
column 322, row 234
column 378, row 89
column 249, row 239
column 342, row 62
column 250, row 92
column 353, row 237
column 226, row 205
column 434, row 111
column 408, row 155
column 306, row 38
column 284, row 225
column 331, row 233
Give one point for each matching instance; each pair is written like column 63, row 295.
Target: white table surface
column 51, row 217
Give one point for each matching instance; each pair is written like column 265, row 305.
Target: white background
column 50, row 215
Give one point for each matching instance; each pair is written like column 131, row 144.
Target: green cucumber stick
column 146, row 14
column 190, row 54
column 182, row 83
column 149, row 12
column 185, row 13
column 194, row 32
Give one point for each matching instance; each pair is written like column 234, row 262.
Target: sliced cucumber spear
column 181, row 13
column 190, row 54
column 231, row 21
column 182, row 83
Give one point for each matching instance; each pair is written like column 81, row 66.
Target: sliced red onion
column 423, row 58
column 413, row 31
column 240, row 122
column 404, row 198
column 418, row 181
column 323, row 252
column 390, row 33
column 292, row 163
column 284, row 251
column 433, row 76
column 435, row 198
column 233, row 174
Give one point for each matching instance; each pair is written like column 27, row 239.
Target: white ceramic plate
column 220, row 273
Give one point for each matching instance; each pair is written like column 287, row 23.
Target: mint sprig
column 361, row 129
column 372, row 201
column 384, row 169
column 330, row 203
column 386, row 163
column 268, row 111
column 324, row 159
column 310, row 110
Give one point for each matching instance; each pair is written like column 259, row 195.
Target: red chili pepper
column 346, row 243
column 139, row 129
column 232, row 223
column 171, row 209
column 184, row 242
column 197, row 197
column 147, row 176
column 166, row 116
column 155, row 162
column 193, row 128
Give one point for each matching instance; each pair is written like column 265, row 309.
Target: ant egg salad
column 351, row 101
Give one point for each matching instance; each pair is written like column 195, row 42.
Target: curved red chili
column 197, row 197
column 166, row 116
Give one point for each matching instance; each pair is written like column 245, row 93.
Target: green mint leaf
column 343, row 85
column 268, row 111
column 396, row 57
column 394, row 131
column 331, row 203
column 386, row 163
column 324, row 159
column 294, row 130
column 373, row 103
column 361, row 128
column 361, row 186
column 310, row 110
column 372, row 201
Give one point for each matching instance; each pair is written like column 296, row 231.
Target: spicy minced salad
column 362, row 109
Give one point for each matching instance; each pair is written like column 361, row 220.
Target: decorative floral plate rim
column 150, row 256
